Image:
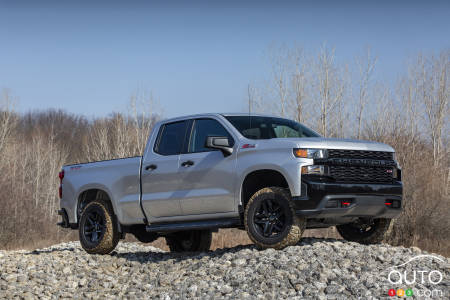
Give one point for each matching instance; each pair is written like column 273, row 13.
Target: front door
column 161, row 182
column 207, row 175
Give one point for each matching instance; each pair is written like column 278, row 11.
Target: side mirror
column 219, row 142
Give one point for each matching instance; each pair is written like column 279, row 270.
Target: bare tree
column 434, row 86
column 123, row 135
column 143, row 110
column 330, row 87
column 97, row 146
column 299, row 82
column 7, row 118
column 254, row 99
column 366, row 66
column 279, row 60
column 250, row 97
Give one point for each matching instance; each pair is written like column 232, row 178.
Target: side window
column 171, row 138
column 201, row 130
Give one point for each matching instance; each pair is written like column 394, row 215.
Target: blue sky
column 194, row 56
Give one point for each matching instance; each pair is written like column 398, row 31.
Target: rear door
column 161, row 183
column 207, row 175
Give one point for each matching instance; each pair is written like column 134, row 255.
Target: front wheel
column 371, row 231
column 98, row 229
column 270, row 219
column 189, row 241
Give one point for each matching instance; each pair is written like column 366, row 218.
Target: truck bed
column 119, row 178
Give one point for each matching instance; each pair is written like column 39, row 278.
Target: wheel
column 270, row 219
column 98, row 228
column 189, row 241
column 365, row 231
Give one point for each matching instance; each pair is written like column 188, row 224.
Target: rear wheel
column 98, row 228
column 270, row 219
column 189, row 241
column 365, row 231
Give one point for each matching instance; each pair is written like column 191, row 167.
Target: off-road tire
column 110, row 236
column 374, row 235
column 189, row 241
column 292, row 229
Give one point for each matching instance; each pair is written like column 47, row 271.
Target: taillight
column 61, row 177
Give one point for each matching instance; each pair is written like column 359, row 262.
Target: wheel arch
column 89, row 194
column 258, row 179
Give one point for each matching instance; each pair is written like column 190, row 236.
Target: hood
column 325, row 143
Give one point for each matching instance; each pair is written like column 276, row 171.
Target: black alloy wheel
column 98, row 230
column 94, row 226
column 270, row 218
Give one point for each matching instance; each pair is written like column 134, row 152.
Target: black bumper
column 329, row 200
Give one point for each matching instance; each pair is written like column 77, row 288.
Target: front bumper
column 329, row 200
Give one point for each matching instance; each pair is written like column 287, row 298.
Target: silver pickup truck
column 271, row 176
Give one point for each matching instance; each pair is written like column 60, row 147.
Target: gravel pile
column 315, row 268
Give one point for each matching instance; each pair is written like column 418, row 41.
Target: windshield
column 257, row 128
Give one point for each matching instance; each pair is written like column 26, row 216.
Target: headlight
column 310, row 153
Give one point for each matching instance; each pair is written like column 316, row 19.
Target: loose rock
column 315, row 268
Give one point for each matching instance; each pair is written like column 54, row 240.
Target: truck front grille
column 361, row 174
column 360, row 154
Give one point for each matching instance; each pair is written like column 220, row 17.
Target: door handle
column 187, row 163
column 150, row 167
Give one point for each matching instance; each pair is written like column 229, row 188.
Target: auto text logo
column 406, row 278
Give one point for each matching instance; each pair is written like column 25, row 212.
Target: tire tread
column 297, row 228
column 111, row 236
